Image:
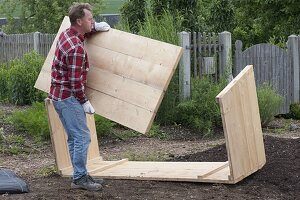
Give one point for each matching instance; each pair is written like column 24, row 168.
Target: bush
column 268, row 102
column 202, row 112
column 17, row 79
column 294, row 111
column 103, row 125
column 33, row 120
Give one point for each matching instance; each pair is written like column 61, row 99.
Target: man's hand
column 102, row 26
column 88, row 108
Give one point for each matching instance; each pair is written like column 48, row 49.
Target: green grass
column 112, row 6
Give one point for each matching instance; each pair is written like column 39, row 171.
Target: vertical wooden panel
column 241, row 123
column 200, row 53
column 195, row 53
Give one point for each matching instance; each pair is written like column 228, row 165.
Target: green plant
column 103, row 125
column 201, row 112
column 18, row 78
column 268, row 102
column 295, row 111
column 164, row 28
column 33, row 120
column 133, row 12
column 156, row 133
column 46, row 171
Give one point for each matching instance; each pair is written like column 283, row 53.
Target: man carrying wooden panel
column 68, row 78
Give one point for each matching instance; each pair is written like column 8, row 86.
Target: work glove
column 102, row 26
column 88, row 108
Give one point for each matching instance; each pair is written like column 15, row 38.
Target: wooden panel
column 181, row 171
column 128, row 77
column 241, row 123
column 59, row 139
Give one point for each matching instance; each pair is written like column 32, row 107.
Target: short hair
column 76, row 11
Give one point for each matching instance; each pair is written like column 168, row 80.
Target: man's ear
column 79, row 22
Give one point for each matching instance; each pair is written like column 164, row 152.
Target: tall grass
column 165, row 28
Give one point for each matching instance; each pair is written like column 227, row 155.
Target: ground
column 278, row 179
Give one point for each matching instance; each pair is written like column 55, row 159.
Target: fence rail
column 16, row 45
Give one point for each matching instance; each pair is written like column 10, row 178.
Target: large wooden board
column 128, row 77
column 242, row 129
column 241, row 124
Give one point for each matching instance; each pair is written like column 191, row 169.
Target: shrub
column 268, row 102
column 295, row 111
column 33, row 120
column 201, row 112
column 17, row 79
column 103, row 125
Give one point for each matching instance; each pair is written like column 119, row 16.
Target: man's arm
column 76, row 67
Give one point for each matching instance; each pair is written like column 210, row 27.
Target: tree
column 221, row 16
column 133, row 13
column 39, row 15
column 257, row 21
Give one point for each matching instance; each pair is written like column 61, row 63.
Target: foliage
column 103, row 125
column 192, row 12
column 164, row 29
column 268, row 102
column 257, row 21
column 295, row 111
column 155, row 132
column 201, row 112
column 33, row 121
column 133, row 13
column 17, row 79
column 221, row 16
column 43, row 16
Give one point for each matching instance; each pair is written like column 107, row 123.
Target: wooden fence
column 204, row 54
column 275, row 66
column 16, row 45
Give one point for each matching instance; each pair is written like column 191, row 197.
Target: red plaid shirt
column 69, row 68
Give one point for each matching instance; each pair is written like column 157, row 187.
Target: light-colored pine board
column 111, row 108
column 132, row 68
column 138, row 46
column 241, row 123
column 164, row 171
column 130, row 74
column 124, row 89
column 59, row 138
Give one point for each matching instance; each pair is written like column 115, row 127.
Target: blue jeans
column 73, row 118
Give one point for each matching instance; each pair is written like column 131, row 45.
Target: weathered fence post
column 293, row 49
column 36, row 42
column 238, row 57
column 185, row 67
column 225, row 55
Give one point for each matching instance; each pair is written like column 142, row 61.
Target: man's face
column 87, row 21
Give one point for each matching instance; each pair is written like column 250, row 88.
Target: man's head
column 81, row 17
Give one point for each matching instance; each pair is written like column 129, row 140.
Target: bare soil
column 278, row 179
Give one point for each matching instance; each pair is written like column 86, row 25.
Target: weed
column 46, row 171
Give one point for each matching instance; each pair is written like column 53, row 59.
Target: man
column 67, row 91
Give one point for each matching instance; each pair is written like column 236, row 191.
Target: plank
column 181, row 171
column 126, row 83
column 241, row 124
column 59, row 138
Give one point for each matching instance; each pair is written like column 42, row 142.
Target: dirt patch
column 278, row 179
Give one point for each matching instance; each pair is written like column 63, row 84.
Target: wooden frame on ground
column 243, row 136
